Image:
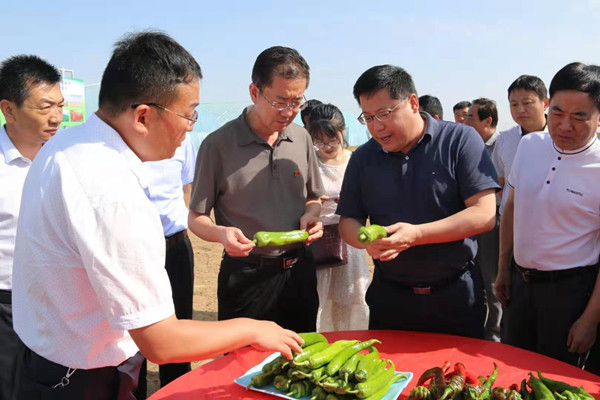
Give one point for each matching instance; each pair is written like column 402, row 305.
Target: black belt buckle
column 422, row 289
column 289, row 262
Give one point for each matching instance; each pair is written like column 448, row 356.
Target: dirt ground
column 207, row 257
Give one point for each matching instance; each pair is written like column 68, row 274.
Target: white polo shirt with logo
column 557, row 204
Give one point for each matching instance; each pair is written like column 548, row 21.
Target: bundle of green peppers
column 330, row 371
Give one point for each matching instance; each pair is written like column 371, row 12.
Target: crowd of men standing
column 96, row 269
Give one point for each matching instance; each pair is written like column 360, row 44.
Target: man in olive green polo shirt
column 259, row 172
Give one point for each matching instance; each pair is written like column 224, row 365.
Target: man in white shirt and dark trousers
column 528, row 100
column 550, row 288
column 169, row 190
column 90, row 289
column 31, row 101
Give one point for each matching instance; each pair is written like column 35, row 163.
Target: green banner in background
column 73, row 91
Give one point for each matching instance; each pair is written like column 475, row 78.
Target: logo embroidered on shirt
column 575, row 192
column 296, row 173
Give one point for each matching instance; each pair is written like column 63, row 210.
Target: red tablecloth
column 410, row 351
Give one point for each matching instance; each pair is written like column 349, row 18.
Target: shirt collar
column 576, row 151
column 492, row 139
column 113, row 137
column 8, row 149
column 246, row 135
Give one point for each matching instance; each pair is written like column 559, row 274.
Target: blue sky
column 454, row 50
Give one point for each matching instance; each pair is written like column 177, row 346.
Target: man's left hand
column 582, row 336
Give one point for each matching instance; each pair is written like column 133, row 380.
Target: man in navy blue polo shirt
column 431, row 184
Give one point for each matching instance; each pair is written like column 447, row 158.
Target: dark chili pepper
column 473, row 392
column 499, row 393
column 456, row 383
column 525, row 394
column 557, row 386
column 513, row 394
column 262, row 238
column 274, row 366
column 429, row 374
column 420, row 393
column 369, row 234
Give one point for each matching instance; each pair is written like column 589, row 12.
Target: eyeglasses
column 381, row 116
column 191, row 120
column 280, row 105
column 331, row 144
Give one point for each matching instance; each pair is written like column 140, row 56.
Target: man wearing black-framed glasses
column 259, row 173
column 91, row 296
column 431, row 185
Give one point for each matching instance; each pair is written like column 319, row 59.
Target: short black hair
column 580, row 77
column 145, row 67
column 529, row 82
column 308, row 106
column 431, row 105
column 487, row 108
column 282, row 61
column 396, row 80
column 18, row 73
column 326, row 120
column 461, row 104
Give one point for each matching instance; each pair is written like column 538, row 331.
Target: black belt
column 5, row 296
column 531, row 275
column 428, row 288
column 285, row 261
column 173, row 240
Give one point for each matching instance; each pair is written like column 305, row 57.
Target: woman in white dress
column 342, row 287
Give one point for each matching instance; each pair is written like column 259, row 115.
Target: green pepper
column 382, row 392
column 338, row 361
column 300, row 389
column 372, row 385
column 311, row 338
column 557, row 386
column 281, row 382
column 369, row 234
column 324, row 356
column 274, row 366
column 366, row 365
column 308, row 351
column 318, row 394
column 262, row 238
column 347, row 370
column 538, row 389
column 261, row 380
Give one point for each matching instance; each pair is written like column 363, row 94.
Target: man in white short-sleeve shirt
column 31, row 101
column 552, row 221
column 528, row 99
column 89, row 284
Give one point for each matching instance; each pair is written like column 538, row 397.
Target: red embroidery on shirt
column 296, row 173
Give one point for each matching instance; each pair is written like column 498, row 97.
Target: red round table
column 411, row 351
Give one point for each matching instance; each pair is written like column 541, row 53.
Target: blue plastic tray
column 244, row 380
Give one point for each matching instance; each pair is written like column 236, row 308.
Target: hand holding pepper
column 234, row 241
column 401, row 236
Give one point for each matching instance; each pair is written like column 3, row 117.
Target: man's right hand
column 272, row 337
column 235, row 243
column 502, row 286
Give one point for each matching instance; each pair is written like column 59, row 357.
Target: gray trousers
column 487, row 261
